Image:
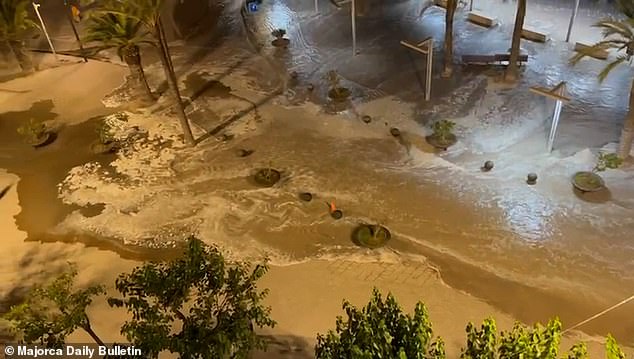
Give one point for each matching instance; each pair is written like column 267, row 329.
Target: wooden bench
column 600, row 54
column 534, row 35
column 491, row 59
column 482, row 20
column 478, row 59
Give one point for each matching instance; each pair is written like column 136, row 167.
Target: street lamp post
column 36, row 7
column 572, row 20
column 72, row 24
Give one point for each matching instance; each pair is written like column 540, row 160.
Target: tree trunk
column 448, row 56
column 173, row 83
column 512, row 71
column 132, row 57
column 88, row 329
column 627, row 133
column 17, row 47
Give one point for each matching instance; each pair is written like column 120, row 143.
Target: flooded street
column 531, row 251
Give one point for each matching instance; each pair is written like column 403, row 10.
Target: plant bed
column 306, row 196
column 267, row 177
column 244, row 152
column 336, row 214
column 442, row 143
column 587, row 181
column 100, row 148
column 339, row 94
column 371, row 236
column 442, row 137
column 280, row 41
column 42, row 140
column 35, row 133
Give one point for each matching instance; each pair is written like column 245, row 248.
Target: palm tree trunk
column 448, row 56
column 173, row 83
column 627, row 133
column 132, row 57
column 17, row 47
column 512, row 71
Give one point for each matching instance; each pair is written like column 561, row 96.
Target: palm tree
column 148, row 12
column 448, row 59
column 617, row 35
column 512, row 71
column 15, row 24
column 125, row 34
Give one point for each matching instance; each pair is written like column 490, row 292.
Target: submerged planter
column 339, row 94
column 336, row 214
column 244, row 153
column 440, row 142
column 531, row 178
column 366, row 119
column 588, row 181
column 100, row 148
column 42, row 140
column 395, row 132
column 488, row 165
column 371, row 236
column 306, row 196
column 280, row 42
column 267, row 177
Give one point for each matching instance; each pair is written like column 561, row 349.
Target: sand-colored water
column 532, row 252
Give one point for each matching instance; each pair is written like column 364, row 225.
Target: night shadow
column 598, row 197
column 42, row 110
column 286, row 346
column 198, row 86
column 236, row 117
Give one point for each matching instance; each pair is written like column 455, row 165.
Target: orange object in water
column 332, row 206
column 76, row 12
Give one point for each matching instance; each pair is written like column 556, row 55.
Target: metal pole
column 72, row 24
column 553, row 128
column 37, row 11
column 572, row 20
column 471, row 5
column 354, row 28
column 430, row 56
column 317, row 6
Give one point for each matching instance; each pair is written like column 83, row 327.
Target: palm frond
column 613, row 27
column 611, row 66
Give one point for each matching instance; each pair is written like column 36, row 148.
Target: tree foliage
column 15, row 21
column 52, row 312
column 381, row 330
column 215, row 304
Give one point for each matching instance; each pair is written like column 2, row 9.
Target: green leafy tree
column 214, row 304
column 578, row 351
column 612, row 349
column 52, row 312
column 618, row 35
column 126, row 35
column 381, row 330
column 482, row 343
column 148, row 13
column 538, row 342
column 15, row 25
